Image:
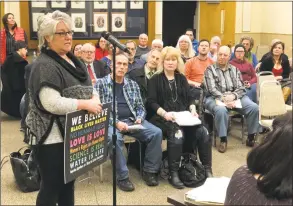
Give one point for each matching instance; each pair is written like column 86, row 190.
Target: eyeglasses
column 88, row 52
column 239, row 51
column 64, row 34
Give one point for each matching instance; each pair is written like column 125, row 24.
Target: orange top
column 195, row 68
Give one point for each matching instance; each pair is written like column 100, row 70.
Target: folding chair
column 271, row 102
column 261, row 77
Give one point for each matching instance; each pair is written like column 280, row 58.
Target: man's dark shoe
column 250, row 140
column 125, row 185
column 223, row 145
column 150, row 179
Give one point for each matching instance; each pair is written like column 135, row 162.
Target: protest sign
column 85, row 142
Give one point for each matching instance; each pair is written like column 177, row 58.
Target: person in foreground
column 224, row 87
column 130, row 111
column 267, row 178
column 59, row 83
column 168, row 92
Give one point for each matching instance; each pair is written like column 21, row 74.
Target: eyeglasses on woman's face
column 64, row 33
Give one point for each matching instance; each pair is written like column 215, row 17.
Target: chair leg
column 101, row 172
column 140, row 158
column 214, row 133
column 242, row 129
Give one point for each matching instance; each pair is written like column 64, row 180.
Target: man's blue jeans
column 151, row 136
column 251, row 92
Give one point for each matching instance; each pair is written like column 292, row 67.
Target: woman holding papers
column 168, row 92
column 267, row 178
column 59, row 83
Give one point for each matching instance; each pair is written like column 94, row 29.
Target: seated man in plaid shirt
column 130, row 110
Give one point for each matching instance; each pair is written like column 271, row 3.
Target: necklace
column 176, row 96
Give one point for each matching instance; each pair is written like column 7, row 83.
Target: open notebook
column 212, row 192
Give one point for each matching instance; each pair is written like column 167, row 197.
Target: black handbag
column 191, row 172
column 25, row 170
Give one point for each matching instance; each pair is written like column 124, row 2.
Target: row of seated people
column 59, row 83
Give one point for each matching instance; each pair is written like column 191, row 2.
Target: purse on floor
column 25, row 170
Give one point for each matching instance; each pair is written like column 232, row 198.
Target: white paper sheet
column 186, row 119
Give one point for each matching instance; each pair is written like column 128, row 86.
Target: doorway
column 177, row 17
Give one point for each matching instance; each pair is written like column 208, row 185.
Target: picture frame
column 100, row 4
column 136, row 4
column 100, row 21
column 118, row 4
column 39, row 4
column 77, row 4
column 35, row 17
column 58, row 4
column 118, row 21
column 78, row 22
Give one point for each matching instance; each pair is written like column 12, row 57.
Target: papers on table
column 238, row 103
column 186, row 119
column 212, row 192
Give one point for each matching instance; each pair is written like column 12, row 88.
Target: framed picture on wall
column 58, row 4
column 118, row 22
column 39, row 4
column 100, row 4
column 118, row 4
column 35, row 17
column 100, row 21
column 77, row 4
column 78, row 22
column 136, row 4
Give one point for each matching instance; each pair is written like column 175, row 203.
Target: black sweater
column 160, row 94
column 268, row 65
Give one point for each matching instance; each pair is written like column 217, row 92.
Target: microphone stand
column 114, row 136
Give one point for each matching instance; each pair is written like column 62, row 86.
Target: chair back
column 261, row 77
column 271, row 101
column 261, row 50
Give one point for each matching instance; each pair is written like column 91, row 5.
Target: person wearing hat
column 12, row 76
column 246, row 69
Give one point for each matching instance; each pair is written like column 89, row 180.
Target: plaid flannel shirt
column 217, row 82
column 131, row 92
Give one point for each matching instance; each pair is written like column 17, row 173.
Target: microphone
column 108, row 36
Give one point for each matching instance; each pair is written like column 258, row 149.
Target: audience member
column 108, row 59
column 248, row 44
column 267, row 178
column 185, row 47
column 133, row 62
column 12, row 76
column 190, row 33
column 58, row 84
column 9, row 35
column 246, row 69
column 195, row 67
column 95, row 68
column 168, row 92
column 142, row 45
column 156, row 44
column 101, row 50
column 77, row 50
column 215, row 45
column 143, row 74
column 130, row 110
column 224, row 86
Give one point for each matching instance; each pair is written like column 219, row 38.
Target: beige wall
column 265, row 21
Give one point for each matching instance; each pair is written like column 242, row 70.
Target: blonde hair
column 190, row 52
column 173, row 52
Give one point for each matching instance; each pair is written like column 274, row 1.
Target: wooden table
column 178, row 198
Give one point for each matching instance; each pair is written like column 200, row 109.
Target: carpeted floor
column 92, row 191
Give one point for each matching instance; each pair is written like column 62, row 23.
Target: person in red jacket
column 9, row 35
column 247, row 71
column 101, row 50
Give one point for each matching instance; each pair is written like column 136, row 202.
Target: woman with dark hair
column 246, row 69
column 168, row 92
column 274, row 62
column 101, row 50
column 77, row 50
column 267, row 178
column 9, row 35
